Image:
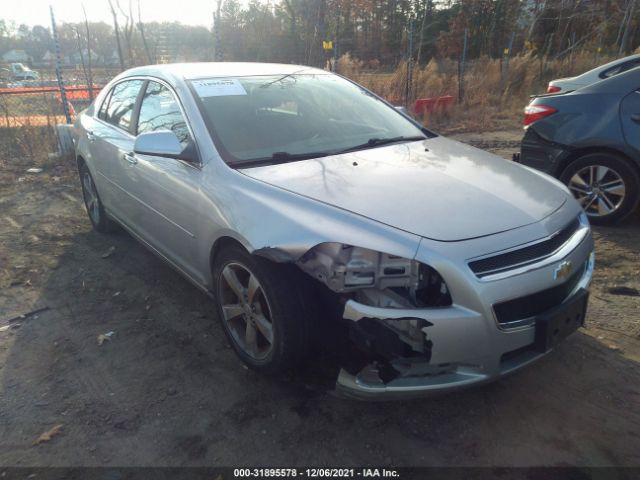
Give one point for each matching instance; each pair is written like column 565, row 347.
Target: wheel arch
column 576, row 154
column 221, row 243
column 276, row 254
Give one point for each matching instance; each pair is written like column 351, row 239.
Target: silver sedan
column 296, row 198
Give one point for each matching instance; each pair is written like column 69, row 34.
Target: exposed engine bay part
column 392, row 339
column 395, row 282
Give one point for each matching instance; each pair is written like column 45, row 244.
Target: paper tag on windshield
column 219, row 87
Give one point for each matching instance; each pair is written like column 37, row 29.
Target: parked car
column 564, row 85
column 292, row 196
column 589, row 140
column 20, row 72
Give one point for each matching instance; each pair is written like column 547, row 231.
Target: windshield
column 291, row 117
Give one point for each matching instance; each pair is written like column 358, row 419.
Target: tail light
column 553, row 89
column 533, row 113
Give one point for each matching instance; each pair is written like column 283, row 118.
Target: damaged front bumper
column 461, row 347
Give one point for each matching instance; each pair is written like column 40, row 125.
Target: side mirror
column 402, row 109
column 163, row 143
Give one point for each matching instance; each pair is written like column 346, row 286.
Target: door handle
column 636, row 117
column 130, row 157
column 90, row 136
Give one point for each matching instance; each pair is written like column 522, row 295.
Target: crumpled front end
column 454, row 316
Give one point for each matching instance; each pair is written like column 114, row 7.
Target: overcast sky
column 32, row 12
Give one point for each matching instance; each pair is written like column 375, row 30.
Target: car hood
column 437, row 188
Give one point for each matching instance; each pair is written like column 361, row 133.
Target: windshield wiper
column 376, row 142
column 279, row 157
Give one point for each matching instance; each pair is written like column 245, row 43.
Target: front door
column 166, row 191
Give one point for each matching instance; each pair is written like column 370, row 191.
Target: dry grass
column 494, row 93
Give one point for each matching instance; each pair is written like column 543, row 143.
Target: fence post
column 461, row 68
column 334, row 67
column 63, row 94
column 505, row 64
column 407, row 90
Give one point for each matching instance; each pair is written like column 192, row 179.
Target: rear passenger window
column 121, row 104
column 160, row 111
column 623, row 67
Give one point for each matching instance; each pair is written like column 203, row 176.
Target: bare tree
column 425, row 14
column 116, row 29
column 128, row 28
column 144, row 38
column 76, row 30
column 90, row 71
column 624, row 43
column 217, row 50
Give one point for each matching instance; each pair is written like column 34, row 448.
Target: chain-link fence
column 29, row 114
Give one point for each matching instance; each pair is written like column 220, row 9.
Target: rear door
column 166, row 190
column 111, row 138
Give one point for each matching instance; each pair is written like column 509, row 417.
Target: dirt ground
column 166, row 389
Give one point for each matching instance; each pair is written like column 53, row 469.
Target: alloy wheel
column 600, row 190
column 246, row 311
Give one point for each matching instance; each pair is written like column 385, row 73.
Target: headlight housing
column 346, row 268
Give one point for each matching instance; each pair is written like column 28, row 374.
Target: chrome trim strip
column 541, row 262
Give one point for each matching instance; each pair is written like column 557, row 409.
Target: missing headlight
column 432, row 290
column 379, row 278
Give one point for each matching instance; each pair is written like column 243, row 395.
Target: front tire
column 262, row 309
column 606, row 185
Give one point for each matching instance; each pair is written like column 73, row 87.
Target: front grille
column 524, row 256
column 537, row 303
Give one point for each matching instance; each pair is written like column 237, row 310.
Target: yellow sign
column 327, row 45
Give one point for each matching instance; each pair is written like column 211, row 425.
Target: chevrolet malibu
column 293, row 196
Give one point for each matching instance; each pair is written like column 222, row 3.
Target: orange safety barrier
column 73, row 93
column 428, row 105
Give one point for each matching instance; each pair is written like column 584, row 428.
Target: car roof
column 190, row 71
column 623, row 83
column 606, row 66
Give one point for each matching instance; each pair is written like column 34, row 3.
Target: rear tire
column 606, row 185
column 95, row 210
column 263, row 308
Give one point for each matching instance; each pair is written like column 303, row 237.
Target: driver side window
column 160, row 111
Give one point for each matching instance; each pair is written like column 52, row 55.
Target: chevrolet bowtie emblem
column 563, row 270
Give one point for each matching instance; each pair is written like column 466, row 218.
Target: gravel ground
column 166, row 389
